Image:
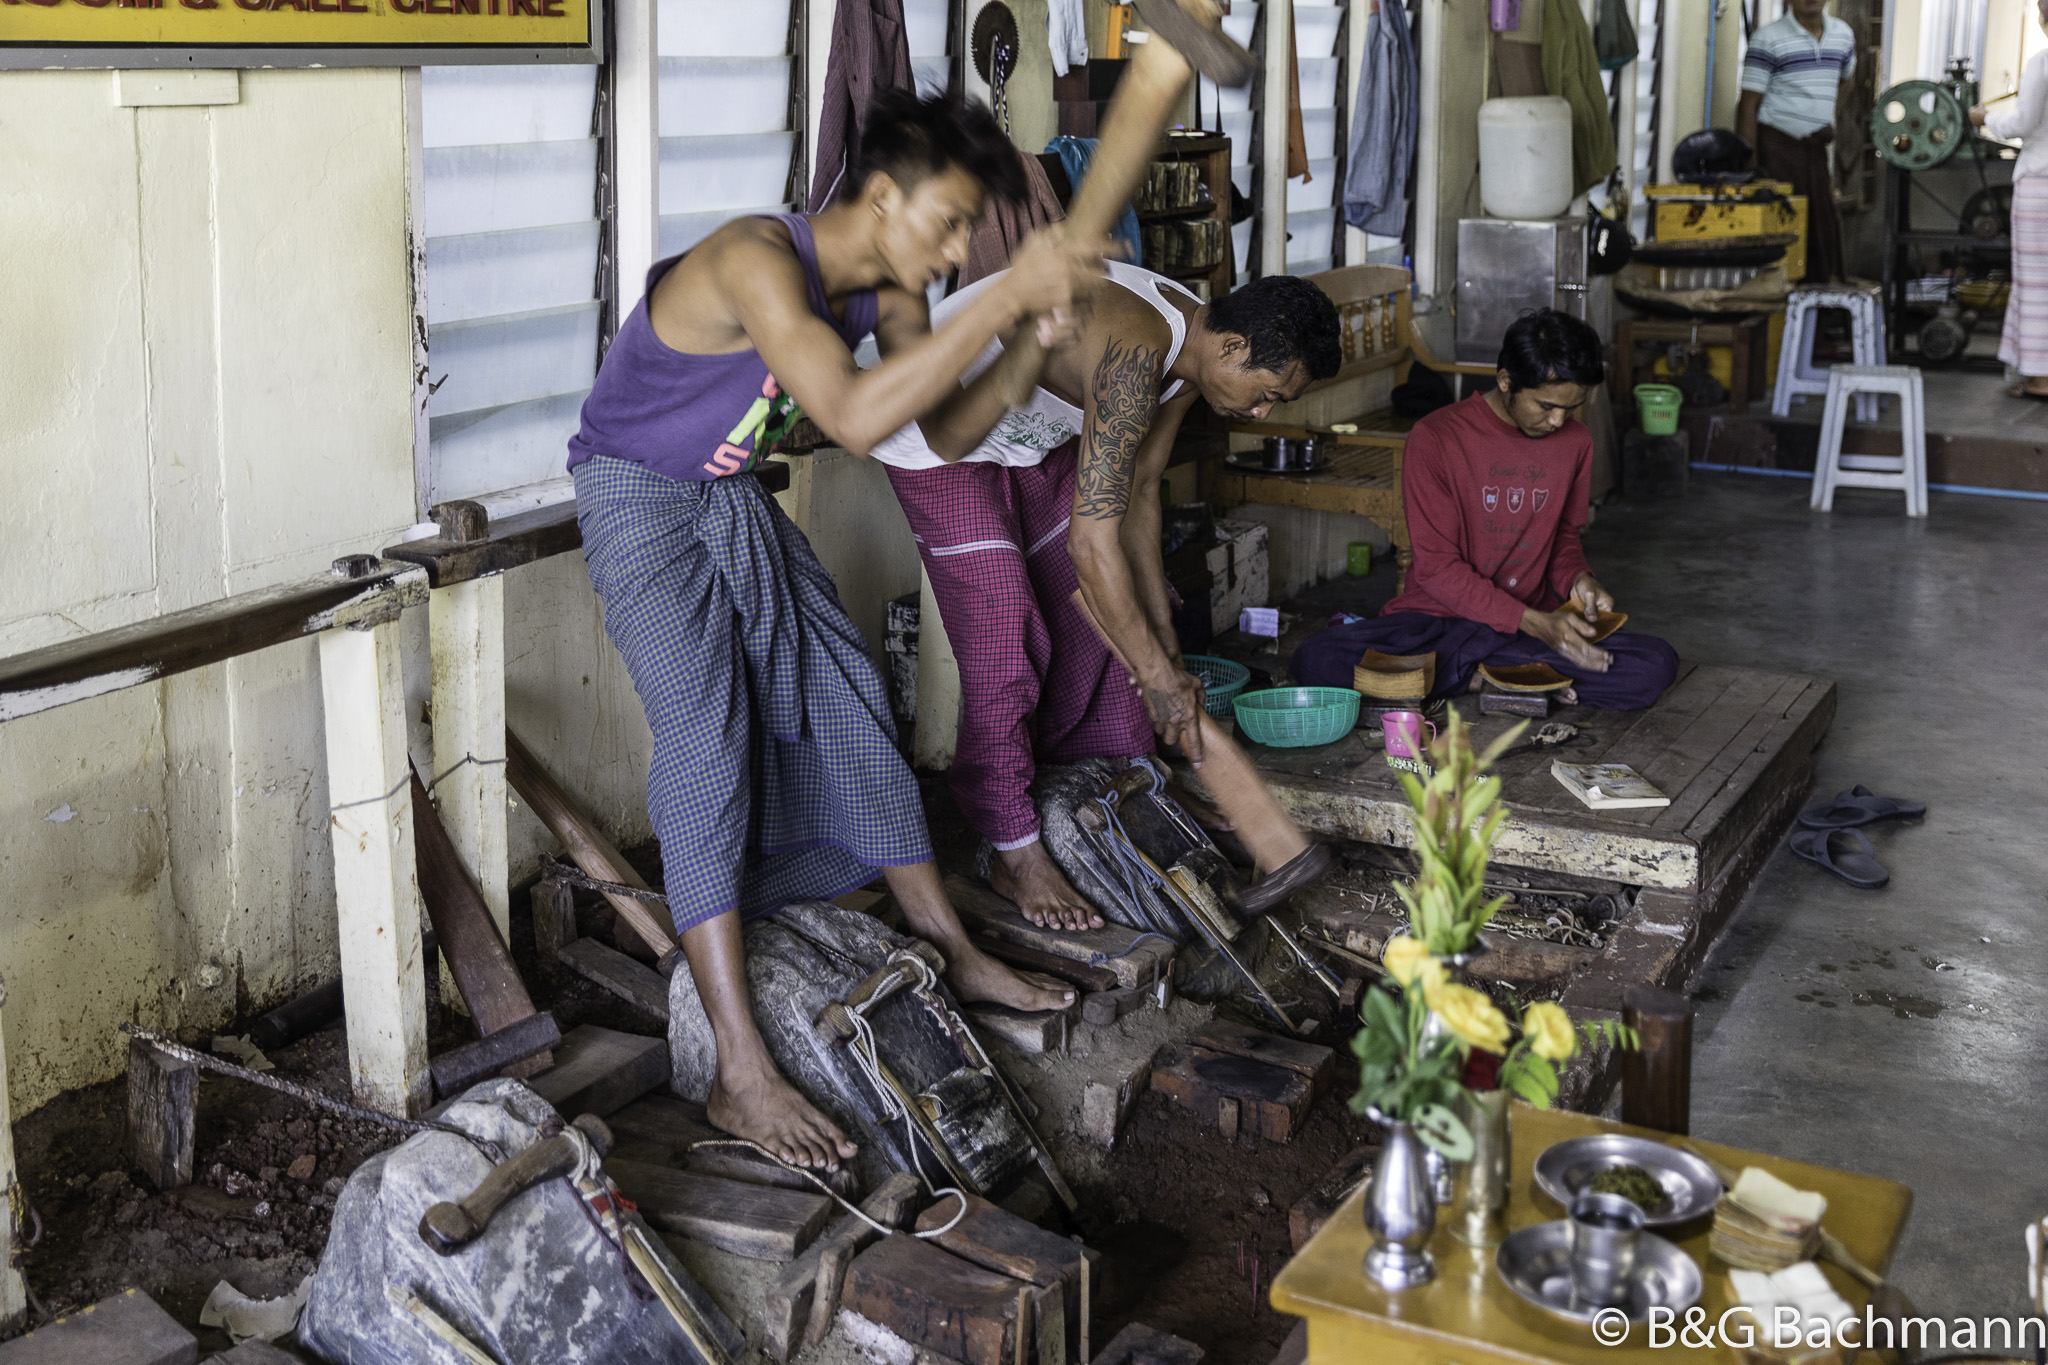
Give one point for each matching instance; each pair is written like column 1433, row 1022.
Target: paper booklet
column 1608, row 786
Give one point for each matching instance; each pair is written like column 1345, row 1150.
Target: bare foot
column 1568, row 696
column 765, row 1108
column 978, row 978
column 1030, row 877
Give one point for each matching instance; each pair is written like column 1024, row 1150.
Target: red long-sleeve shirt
column 1493, row 516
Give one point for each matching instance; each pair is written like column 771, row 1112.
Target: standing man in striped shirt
column 1790, row 78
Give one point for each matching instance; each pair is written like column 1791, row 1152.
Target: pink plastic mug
column 1402, row 733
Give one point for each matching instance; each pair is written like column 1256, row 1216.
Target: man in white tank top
column 1014, row 509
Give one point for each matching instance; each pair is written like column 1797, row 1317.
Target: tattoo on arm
column 1124, row 396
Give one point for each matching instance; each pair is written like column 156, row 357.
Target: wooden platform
column 1732, row 747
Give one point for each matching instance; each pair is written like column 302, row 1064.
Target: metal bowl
column 1536, row 1262
column 1691, row 1188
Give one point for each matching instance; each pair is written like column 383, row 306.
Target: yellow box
column 1689, row 211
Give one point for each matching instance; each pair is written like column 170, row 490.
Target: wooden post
column 376, row 888
column 13, row 1294
column 554, row 917
column 1656, row 1078
column 467, row 627
column 163, row 1097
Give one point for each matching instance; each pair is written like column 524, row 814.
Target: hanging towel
column 1297, row 140
column 1004, row 225
column 1614, row 35
column 1075, row 153
column 1066, row 29
column 1571, row 68
column 1384, row 125
column 870, row 55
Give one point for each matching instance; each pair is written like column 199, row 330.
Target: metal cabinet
column 1506, row 267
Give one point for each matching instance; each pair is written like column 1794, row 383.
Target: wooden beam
column 106, row 661
column 1032, row 1031
column 1313, row 1062
column 1656, row 1077
column 163, row 1099
column 792, row 1300
column 1134, row 960
column 760, row 1222
column 599, row 1070
column 554, row 916
column 479, row 963
column 13, row 1293
column 525, row 1042
column 1271, row 1101
column 996, row 1239
column 466, row 628
column 369, row 789
column 935, row 1300
column 634, row 982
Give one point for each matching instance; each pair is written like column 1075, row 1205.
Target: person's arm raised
column 764, row 287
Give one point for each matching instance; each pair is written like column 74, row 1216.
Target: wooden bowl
column 1524, row 677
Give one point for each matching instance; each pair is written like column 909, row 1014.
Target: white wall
column 209, row 390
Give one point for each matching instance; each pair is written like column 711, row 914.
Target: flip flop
column 1852, row 860
column 1858, row 806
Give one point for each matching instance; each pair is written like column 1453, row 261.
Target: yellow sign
column 273, row 24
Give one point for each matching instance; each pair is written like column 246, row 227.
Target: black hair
column 910, row 138
column 1283, row 318
column 1545, row 346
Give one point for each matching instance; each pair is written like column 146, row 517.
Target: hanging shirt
column 1045, row 421
column 1383, row 127
column 1799, row 74
column 1493, row 516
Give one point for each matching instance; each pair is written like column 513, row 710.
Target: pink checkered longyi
column 1036, row 682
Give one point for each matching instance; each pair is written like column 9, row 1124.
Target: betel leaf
column 1444, row 1131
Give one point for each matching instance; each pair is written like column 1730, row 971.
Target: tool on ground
column 448, row 1227
column 973, row 1121
column 1185, row 36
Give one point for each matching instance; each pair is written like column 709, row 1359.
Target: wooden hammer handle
column 449, row 1227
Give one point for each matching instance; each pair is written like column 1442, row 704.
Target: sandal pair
column 1858, row 806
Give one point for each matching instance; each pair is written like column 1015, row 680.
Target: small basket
column 1298, row 717
column 1222, row 680
column 1658, row 404
column 1395, row 677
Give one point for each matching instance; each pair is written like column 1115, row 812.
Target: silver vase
column 1479, row 1187
column 1443, row 1173
column 1400, row 1212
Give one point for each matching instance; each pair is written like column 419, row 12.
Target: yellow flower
column 1549, row 1030
column 1403, row 957
column 1471, row 1016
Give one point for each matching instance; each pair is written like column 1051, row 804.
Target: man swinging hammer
column 775, row 775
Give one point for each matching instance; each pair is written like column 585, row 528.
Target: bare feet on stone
column 767, row 1109
column 977, row 978
column 1029, row 877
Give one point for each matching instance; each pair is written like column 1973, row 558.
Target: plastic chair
column 1797, row 374
column 1907, row 472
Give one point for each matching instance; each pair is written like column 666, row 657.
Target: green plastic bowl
column 1222, row 680
column 1298, row 717
column 1658, row 404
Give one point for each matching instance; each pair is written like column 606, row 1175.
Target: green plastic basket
column 1658, row 404
column 1222, row 680
column 1298, row 717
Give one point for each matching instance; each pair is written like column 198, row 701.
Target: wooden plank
column 466, row 636
column 13, row 1290
column 1311, row 1061
column 163, row 1098
column 497, row 1054
column 787, row 1307
column 1599, row 732
column 935, row 1300
column 1272, row 1102
column 127, row 1329
column 554, row 917
column 1119, row 949
column 1776, row 773
column 1694, row 750
column 1052, row 964
column 1026, row 1030
column 760, row 1222
column 1107, row 1101
column 667, row 1128
column 1103, row 1008
column 376, row 888
column 634, row 982
column 998, row 1240
column 1751, row 737
column 109, row 660
column 465, row 929
column 599, row 1070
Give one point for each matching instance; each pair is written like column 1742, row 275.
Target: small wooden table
column 1746, row 337
column 1467, row 1315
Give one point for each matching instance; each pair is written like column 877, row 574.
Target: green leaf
column 1443, row 1130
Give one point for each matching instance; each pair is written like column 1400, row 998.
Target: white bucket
column 1525, row 156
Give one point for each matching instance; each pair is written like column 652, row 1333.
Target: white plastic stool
column 1908, row 472
column 1797, row 374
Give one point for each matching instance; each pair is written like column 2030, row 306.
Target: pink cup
column 1401, row 731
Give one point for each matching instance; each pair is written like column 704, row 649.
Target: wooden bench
column 1375, row 311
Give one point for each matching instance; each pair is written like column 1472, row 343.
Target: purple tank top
column 699, row 417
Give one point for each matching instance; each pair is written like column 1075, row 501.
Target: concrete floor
column 1960, row 402
column 1894, row 1032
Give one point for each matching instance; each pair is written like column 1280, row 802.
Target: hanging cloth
column 1075, row 154
column 1383, row 126
column 1614, row 35
column 870, row 55
column 1571, row 69
column 1066, row 30
column 1297, row 140
column 1004, row 225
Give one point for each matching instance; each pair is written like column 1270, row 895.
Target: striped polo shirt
column 1798, row 73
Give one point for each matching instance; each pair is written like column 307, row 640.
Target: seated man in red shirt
column 1496, row 491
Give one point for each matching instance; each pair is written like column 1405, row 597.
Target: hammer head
column 1194, row 28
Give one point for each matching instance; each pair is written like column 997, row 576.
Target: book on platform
column 1608, row 786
